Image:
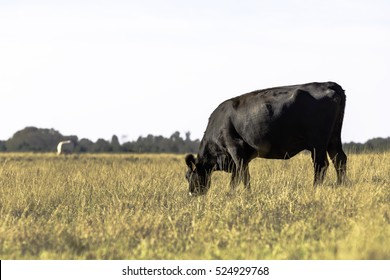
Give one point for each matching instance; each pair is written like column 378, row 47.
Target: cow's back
column 280, row 122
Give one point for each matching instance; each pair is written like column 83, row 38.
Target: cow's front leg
column 235, row 180
column 238, row 175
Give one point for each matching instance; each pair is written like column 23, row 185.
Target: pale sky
column 98, row 68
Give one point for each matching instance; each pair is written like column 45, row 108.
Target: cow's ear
column 190, row 161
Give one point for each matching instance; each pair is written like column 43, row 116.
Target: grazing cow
column 65, row 147
column 274, row 123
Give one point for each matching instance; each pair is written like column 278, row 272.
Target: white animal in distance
column 65, row 147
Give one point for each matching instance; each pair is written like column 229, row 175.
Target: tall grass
column 137, row 207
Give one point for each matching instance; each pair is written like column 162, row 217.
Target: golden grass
column 137, row 207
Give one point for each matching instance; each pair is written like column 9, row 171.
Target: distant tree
column 146, row 145
column 353, row 147
column 189, row 145
column 84, row 146
column 101, row 146
column 379, row 144
column 176, row 142
column 116, row 146
column 372, row 145
column 175, row 137
column 3, row 148
column 159, row 144
column 128, row 147
column 34, row 139
column 188, row 136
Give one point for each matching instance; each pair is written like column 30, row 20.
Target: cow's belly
column 281, row 148
column 279, row 154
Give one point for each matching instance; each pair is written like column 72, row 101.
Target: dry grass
column 137, row 207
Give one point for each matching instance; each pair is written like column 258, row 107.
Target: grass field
column 137, row 207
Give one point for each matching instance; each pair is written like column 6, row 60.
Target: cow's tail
column 340, row 98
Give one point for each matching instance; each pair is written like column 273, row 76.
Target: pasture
column 137, row 207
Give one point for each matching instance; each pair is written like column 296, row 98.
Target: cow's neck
column 207, row 155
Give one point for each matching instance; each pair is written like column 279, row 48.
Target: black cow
column 274, row 123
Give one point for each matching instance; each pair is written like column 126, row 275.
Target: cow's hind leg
column 321, row 164
column 339, row 159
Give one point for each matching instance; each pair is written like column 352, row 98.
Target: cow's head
column 198, row 176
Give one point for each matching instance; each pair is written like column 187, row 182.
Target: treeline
column 32, row 139
column 373, row 145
